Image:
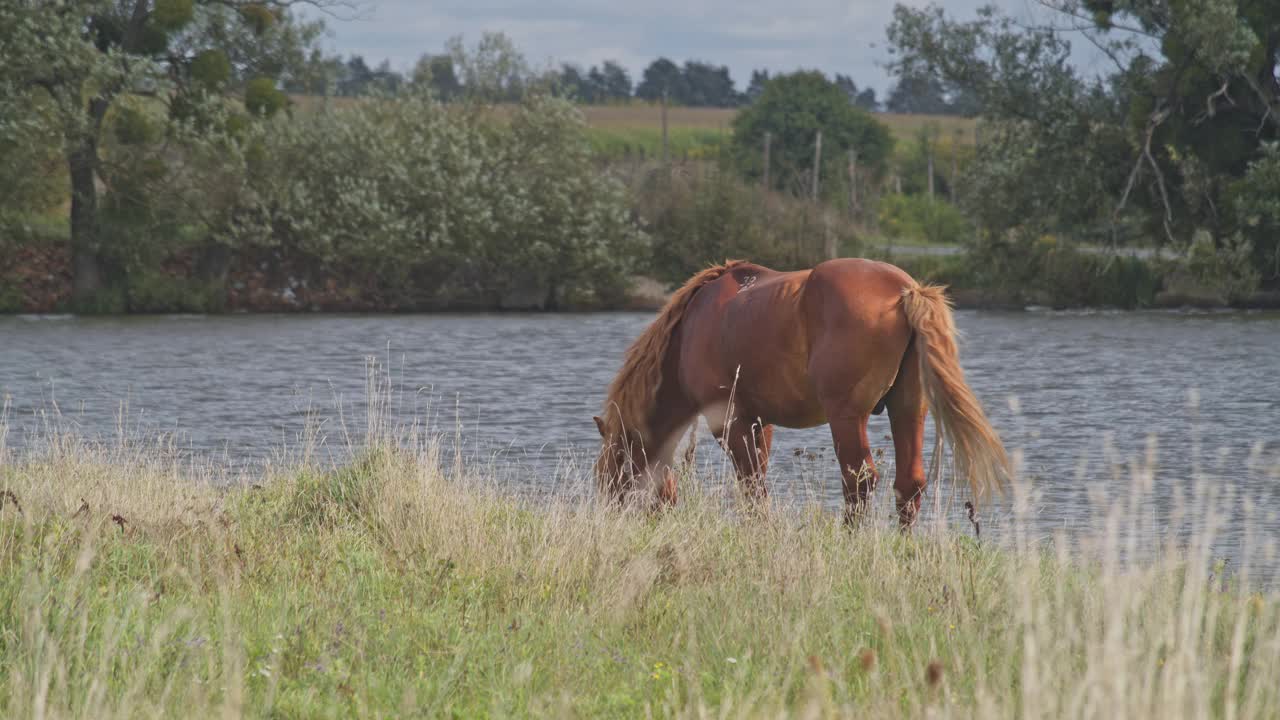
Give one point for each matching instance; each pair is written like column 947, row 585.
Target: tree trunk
column 86, row 274
column 82, row 162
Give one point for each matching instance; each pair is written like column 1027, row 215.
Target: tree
column 919, row 94
column 83, row 57
column 793, row 108
column 595, row 85
column 1164, row 150
column 662, row 78
column 614, row 81
column 707, row 85
column 866, row 99
column 696, row 84
column 385, row 79
column 759, row 78
column 435, row 72
column 845, row 83
column 356, row 75
column 493, row 71
column 572, row 83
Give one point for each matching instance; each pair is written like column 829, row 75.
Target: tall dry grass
column 406, row 583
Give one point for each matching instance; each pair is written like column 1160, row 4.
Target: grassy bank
column 404, row 586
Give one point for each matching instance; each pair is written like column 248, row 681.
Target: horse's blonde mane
column 632, row 392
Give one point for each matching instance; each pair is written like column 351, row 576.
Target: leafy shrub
column 917, row 218
column 1225, row 269
column 149, row 291
column 262, row 98
column 708, row 215
column 444, row 205
column 1046, row 271
column 33, row 171
column 1256, row 202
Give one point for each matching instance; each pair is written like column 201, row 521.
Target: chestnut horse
column 749, row 348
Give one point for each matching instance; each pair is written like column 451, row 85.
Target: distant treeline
column 694, row 83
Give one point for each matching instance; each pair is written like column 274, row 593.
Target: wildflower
column 732, row 660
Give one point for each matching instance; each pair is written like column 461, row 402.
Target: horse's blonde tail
column 979, row 454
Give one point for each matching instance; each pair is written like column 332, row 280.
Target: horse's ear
column 599, row 424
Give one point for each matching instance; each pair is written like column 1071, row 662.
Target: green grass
column 397, row 586
column 683, row 143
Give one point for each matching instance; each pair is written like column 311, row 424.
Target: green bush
column 1256, row 203
column 1069, row 278
column 1046, row 271
column 149, row 291
column 33, row 171
column 442, row 205
column 211, row 69
column 1225, row 269
column 109, row 300
column 708, row 215
column 916, row 218
column 11, row 300
column 23, row 229
column 263, row 99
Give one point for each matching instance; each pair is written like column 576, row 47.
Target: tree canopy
column 695, row 84
column 792, row 108
column 73, row 61
column 1175, row 145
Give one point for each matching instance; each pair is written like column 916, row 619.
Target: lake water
column 1081, row 395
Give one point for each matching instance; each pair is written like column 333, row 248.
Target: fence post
column 853, row 182
column 955, row 162
column 817, row 164
column 666, row 157
column 930, row 154
column 768, row 139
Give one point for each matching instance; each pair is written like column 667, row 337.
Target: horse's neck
column 670, row 410
column 668, row 422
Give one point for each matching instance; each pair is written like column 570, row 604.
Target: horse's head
column 624, row 470
column 621, row 459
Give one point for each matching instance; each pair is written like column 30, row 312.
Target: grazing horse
column 749, row 348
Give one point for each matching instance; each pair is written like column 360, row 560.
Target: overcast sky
column 844, row 36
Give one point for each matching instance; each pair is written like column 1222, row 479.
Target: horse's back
column 743, row 334
column 866, row 294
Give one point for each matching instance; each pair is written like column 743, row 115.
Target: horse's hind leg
column 856, row 467
column 748, row 448
column 906, row 403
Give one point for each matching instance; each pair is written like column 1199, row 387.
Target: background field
column 693, row 133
